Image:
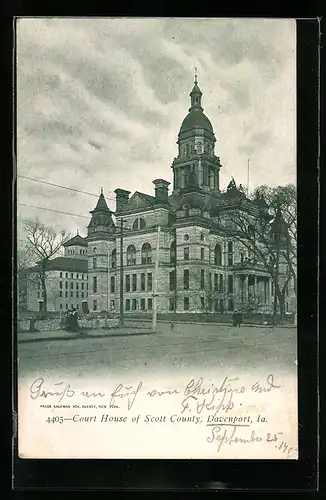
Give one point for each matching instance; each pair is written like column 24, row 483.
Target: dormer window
column 139, row 224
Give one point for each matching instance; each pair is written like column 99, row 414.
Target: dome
column 196, row 119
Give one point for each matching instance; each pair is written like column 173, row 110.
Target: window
column 230, row 259
column 202, row 302
column 131, row 255
column 172, row 304
column 113, row 304
column 134, row 282
column 134, row 304
column 95, row 284
column 210, row 281
column 66, row 293
column 81, row 252
column 142, row 223
column 221, row 283
column 199, row 148
column 149, row 282
column 77, row 276
column 241, row 257
column 172, row 280
column 186, row 253
column 77, row 306
column 186, row 303
column 72, row 275
column 82, row 294
column 77, row 285
column 201, row 236
column 60, row 293
column 66, row 275
column 230, row 305
column 71, row 284
column 114, row 258
column 60, row 275
column 202, row 279
column 215, row 282
column 82, row 285
column 60, row 284
column 230, row 283
column 66, row 285
column 202, row 253
column 60, row 306
column 173, row 252
column 38, row 295
column 142, row 304
column 218, row 255
column 66, row 306
column 146, row 254
column 112, row 284
column 186, row 237
column 77, row 295
column 127, row 304
column 186, row 279
column 139, row 224
column 149, row 304
column 94, row 249
column 94, row 263
column 142, row 282
column 127, row 279
column 94, row 305
column 71, row 293
column 135, row 225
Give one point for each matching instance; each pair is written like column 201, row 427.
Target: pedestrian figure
column 74, row 320
column 239, row 318
column 67, row 320
column 172, row 327
column 234, row 317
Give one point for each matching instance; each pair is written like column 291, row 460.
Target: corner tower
column 196, row 160
column 100, row 229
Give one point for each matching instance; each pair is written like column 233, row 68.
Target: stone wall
column 54, row 324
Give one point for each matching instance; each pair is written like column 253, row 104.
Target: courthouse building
column 199, row 268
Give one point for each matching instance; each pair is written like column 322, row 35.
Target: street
column 188, row 347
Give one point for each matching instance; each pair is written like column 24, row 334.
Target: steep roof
column 64, row 264
column 101, row 205
column 76, row 240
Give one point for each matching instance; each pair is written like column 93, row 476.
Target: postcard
column 156, row 238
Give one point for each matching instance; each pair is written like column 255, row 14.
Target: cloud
column 100, row 103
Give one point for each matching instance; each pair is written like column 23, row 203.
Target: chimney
column 121, row 199
column 161, row 189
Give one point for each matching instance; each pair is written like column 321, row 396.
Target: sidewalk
column 64, row 335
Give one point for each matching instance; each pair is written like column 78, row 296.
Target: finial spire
column 77, row 232
column 195, row 75
column 101, row 190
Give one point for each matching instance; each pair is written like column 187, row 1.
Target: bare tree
column 260, row 232
column 43, row 243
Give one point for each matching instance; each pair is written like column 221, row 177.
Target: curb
column 73, row 337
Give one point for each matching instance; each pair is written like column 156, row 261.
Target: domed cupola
column 196, row 142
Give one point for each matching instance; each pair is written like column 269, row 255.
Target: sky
column 100, row 103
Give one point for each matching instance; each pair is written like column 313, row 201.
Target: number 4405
column 54, row 420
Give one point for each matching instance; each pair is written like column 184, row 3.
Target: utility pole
column 121, row 271
column 155, row 294
column 175, row 272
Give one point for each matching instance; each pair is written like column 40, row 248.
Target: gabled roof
column 76, row 240
column 64, row 264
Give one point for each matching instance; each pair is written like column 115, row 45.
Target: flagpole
column 248, row 177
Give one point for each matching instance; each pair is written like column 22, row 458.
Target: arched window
column 131, row 255
column 114, row 258
column 81, row 252
column 186, row 237
column 94, row 250
column 173, row 252
column 142, row 223
column 135, row 225
column 146, row 254
column 218, row 255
